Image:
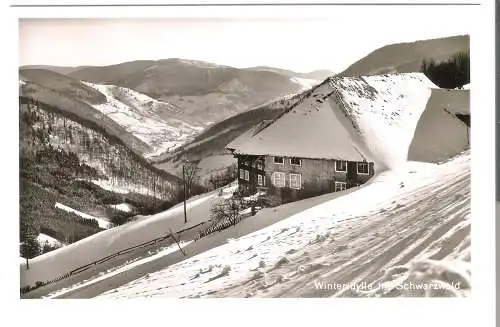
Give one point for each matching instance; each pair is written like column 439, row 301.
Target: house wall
column 318, row 176
column 248, row 163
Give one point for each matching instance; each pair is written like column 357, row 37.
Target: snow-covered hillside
column 50, row 265
column 46, row 239
column 412, row 229
column 148, row 119
column 103, row 223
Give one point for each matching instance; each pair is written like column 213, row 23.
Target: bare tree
column 189, row 172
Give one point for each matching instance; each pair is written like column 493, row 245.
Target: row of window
column 245, row 175
column 362, row 168
column 279, row 180
column 294, row 180
column 293, row 161
column 259, row 164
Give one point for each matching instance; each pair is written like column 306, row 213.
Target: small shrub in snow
column 223, row 214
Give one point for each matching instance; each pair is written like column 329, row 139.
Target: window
column 260, row 165
column 363, row 168
column 279, row 179
column 279, row 160
column 340, row 186
column 295, row 181
column 295, row 161
column 244, row 174
column 341, row 166
column 261, row 181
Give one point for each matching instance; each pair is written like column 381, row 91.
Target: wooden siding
column 318, row 176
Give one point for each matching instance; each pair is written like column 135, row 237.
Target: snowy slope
column 103, row 223
column 413, row 227
column 50, row 265
column 46, row 239
column 118, row 270
column 148, row 119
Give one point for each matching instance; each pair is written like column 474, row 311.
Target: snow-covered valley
column 150, row 120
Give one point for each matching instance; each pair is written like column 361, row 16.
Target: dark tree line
column 450, row 74
column 59, row 157
column 46, row 130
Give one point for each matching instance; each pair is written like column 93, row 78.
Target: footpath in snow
column 412, row 229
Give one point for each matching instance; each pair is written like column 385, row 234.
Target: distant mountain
column 206, row 93
column 62, row 84
column 57, row 69
column 74, row 97
column 147, row 125
column 407, row 57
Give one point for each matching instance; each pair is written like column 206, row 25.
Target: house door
column 352, row 174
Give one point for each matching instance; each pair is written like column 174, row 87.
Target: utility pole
column 185, row 196
column 154, row 193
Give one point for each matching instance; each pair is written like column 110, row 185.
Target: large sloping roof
column 311, row 129
column 246, row 136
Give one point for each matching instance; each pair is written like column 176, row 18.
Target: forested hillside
column 65, row 159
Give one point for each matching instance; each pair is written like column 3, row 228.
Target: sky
column 330, row 41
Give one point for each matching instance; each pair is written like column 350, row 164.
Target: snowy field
column 413, row 227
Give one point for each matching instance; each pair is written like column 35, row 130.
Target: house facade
column 302, row 177
column 318, row 144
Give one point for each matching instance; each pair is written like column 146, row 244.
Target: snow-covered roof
column 316, row 126
column 246, row 136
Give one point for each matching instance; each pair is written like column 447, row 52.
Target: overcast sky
column 296, row 44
